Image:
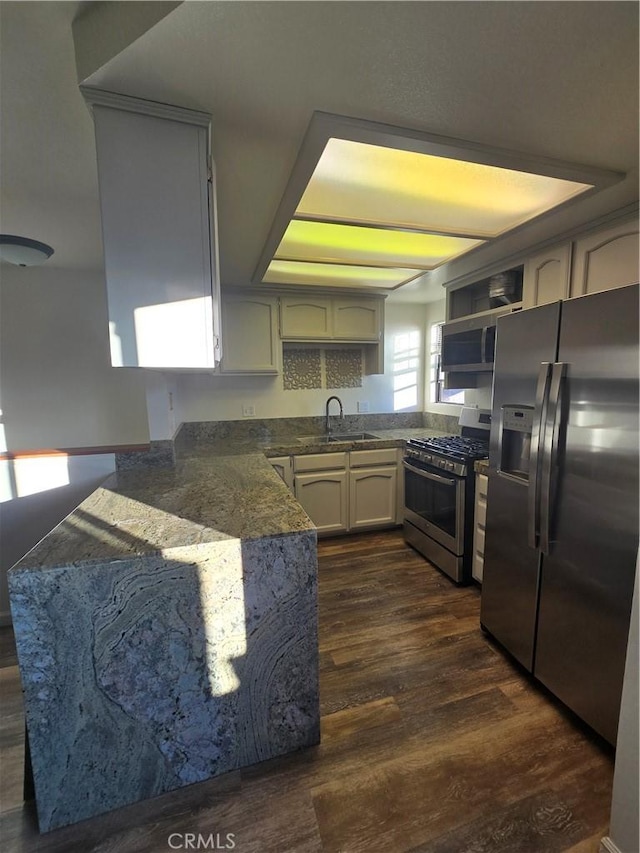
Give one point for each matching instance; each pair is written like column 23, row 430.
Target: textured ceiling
column 550, row 79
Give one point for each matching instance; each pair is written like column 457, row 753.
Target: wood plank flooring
column 432, row 740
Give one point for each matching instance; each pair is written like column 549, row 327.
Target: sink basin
column 351, row 436
column 338, row 436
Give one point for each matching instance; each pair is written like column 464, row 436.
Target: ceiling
column 558, row 79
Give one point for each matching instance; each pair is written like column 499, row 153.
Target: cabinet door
column 305, row 318
column 283, row 468
column 357, row 319
column 372, row 497
column 323, row 496
column 250, row 335
column 480, row 520
column 546, row 276
column 606, row 259
column 156, row 225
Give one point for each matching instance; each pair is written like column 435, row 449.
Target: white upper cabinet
column 606, row 259
column 306, row 318
column 337, row 318
column 157, row 201
column 546, row 276
column 357, row 319
column 250, row 333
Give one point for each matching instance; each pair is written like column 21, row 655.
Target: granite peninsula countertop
column 219, row 490
column 167, row 628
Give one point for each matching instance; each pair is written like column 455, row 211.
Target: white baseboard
column 608, row 846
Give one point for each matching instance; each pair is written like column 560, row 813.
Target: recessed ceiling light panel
column 332, row 243
column 390, row 199
column 358, row 182
column 336, row 275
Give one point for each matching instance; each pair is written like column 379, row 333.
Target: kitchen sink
column 334, row 437
column 351, row 436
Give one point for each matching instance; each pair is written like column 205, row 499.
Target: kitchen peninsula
column 167, row 629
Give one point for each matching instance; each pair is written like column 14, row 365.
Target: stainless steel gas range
column 439, row 493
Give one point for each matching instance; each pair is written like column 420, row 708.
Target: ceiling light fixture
column 23, row 251
column 375, row 206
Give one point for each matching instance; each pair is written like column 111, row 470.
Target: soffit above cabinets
column 374, row 206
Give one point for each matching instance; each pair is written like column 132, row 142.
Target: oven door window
column 434, row 500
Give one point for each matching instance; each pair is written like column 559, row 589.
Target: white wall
column 203, row 397
column 57, row 390
column 57, row 386
column 35, row 495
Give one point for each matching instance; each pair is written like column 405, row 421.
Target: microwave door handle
column 429, row 476
column 550, row 457
column 537, row 437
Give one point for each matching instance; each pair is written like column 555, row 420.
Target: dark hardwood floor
column 432, row 740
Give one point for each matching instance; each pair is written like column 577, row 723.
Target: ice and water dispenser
column 515, row 441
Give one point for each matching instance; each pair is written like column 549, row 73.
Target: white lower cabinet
column 323, row 496
column 480, row 519
column 372, row 497
column 341, row 492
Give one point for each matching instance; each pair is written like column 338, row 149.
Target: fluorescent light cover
column 358, row 182
column 335, row 275
column 323, row 241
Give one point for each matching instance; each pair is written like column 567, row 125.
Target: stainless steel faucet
column 327, row 424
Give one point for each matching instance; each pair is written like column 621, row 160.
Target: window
column 437, row 392
column 406, row 370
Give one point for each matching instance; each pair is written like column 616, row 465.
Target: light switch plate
column 248, row 411
column 363, row 406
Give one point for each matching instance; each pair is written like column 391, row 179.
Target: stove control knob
column 450, row 466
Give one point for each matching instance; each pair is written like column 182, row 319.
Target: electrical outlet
column 363, row 406
column 248, row 411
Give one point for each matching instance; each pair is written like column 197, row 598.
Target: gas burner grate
column 456, row 446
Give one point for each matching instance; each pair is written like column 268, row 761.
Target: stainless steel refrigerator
column 562, row 509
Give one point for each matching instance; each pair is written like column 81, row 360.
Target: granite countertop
column 220, row 489
column 145, row 512
column 288, row 445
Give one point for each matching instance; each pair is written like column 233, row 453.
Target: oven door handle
column 428, row 475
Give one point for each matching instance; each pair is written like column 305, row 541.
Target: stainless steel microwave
column 469, row 344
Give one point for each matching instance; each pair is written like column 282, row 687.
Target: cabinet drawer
column 383, row 456
column 482, row 485
column 481, row 513
column 477, row 567
column 478, row 544
column 319, row 462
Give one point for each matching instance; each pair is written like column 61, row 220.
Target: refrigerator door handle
column 483, row 345
column 537, row 437
column 550, row 457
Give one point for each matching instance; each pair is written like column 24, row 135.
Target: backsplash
column 283, row 427
column 445, row 423
column 162, row 453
